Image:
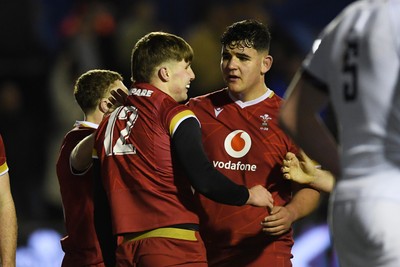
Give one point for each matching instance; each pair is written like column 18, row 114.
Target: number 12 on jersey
column 120, row 123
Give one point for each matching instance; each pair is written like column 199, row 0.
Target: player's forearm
column 81, row 155
column 8, row 233
column 328, row 156
column 303, row 203
column 203, row 177
column 324, row 181
column 299, row 118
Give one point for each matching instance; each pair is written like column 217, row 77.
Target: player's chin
column 234, row 87
column 183, row 97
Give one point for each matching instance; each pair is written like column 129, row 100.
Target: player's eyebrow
column 243, row 55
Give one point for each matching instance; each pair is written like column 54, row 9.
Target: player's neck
column 251, row 93
column 94, row 117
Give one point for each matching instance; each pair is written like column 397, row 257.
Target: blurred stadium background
column 47, row 44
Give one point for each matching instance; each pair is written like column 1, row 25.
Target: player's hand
column 278, row 222
column 117, row 98
column 300, row 169
column 260, row 197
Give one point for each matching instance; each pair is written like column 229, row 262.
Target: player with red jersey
column 80, row 245
column 8, row 217
column 75, row 177
column 242, row 139
column 151, row 155
column 3, row 159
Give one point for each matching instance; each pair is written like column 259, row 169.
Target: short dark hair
column 247, row 33
column 155, row 48
column 91, row 86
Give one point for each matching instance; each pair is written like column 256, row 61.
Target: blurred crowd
column 47, row 44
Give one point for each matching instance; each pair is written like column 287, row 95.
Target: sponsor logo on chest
column 236, row 144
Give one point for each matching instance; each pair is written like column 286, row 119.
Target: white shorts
column 365, row 221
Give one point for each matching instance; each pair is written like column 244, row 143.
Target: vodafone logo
column 237, row 143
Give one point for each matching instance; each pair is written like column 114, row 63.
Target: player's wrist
column 250, row 198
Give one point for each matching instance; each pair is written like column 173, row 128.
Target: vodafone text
column 235, row 166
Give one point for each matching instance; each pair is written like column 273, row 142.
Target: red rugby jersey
column 80, row 245
column 245, row 143
column 144, row 185
column 3, row 159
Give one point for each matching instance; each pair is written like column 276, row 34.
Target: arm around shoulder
column 204, row 178
column 81, row 155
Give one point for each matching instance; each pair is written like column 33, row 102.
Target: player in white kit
column 357, row 69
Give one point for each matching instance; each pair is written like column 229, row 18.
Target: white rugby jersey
column 359, row 60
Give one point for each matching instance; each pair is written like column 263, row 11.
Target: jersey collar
column 268, row 94
column 86, row 124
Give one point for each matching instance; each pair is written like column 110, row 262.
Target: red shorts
column 78, row 256
column 67, row 262
column 162, row 251
column 249, row 257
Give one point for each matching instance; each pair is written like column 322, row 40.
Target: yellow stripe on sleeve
column 94, row 154
column 178, row 118
column 3, row 168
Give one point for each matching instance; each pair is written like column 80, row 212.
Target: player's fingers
column 274, row 231
column 112, row 100
column 289, row 156
column 303, row 156
column 122, row 95
column 114, row 94
column 286, row 162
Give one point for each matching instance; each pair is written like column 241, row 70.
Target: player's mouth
column 232, row 78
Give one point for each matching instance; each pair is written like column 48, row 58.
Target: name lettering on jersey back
column 141, row 92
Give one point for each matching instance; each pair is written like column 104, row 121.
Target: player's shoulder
column 356, row 6
column 354, row 9
column 216, row 98
column 1, row 142
column 79, row 132
column 273, row 100
column 144, row 95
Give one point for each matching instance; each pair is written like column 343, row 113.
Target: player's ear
column 266, row 63
column 104, row 105
column 164, row 74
